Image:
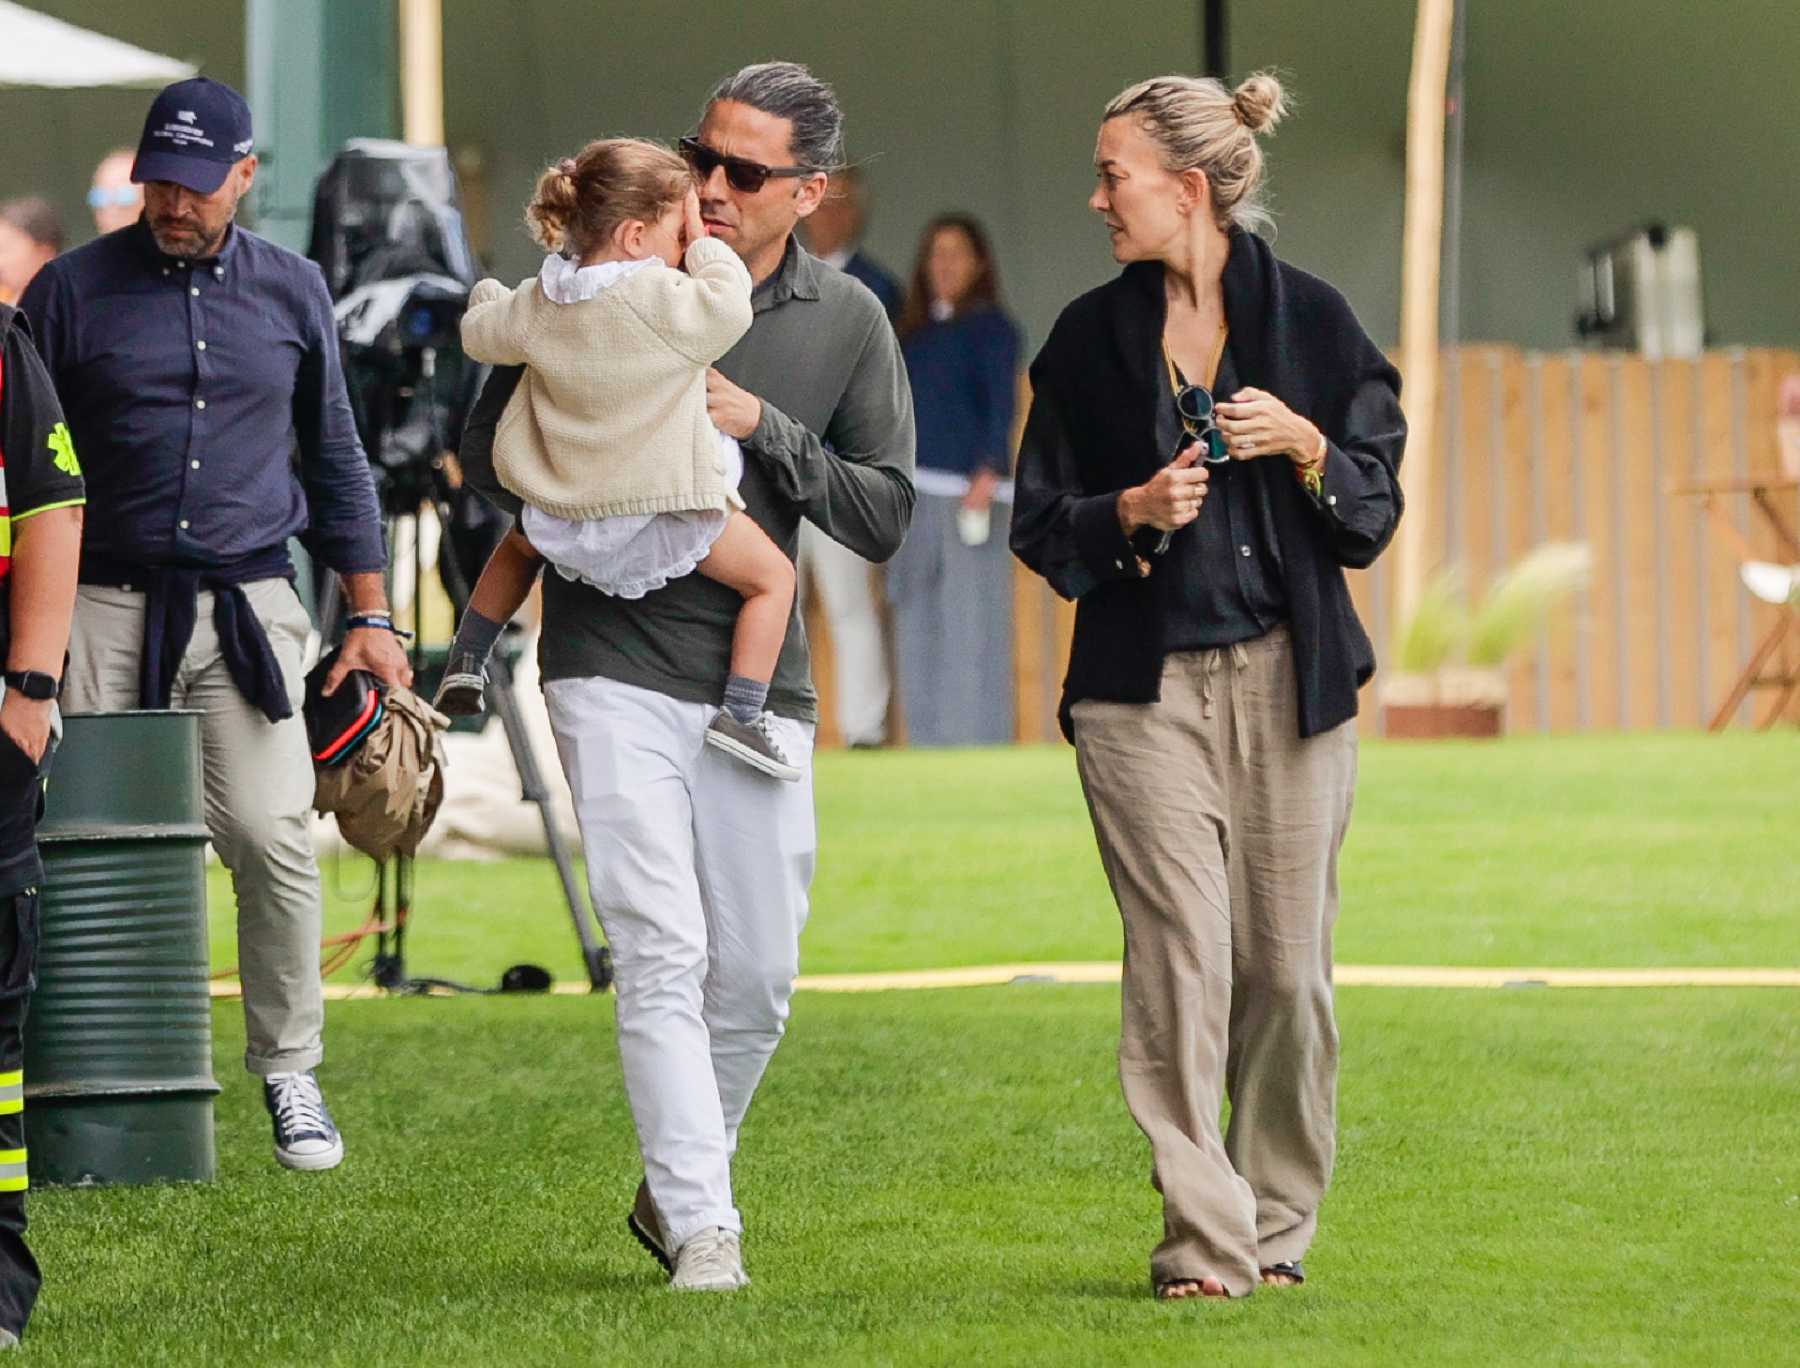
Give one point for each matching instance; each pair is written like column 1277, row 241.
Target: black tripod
column 404, row 492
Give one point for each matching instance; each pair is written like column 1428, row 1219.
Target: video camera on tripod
column 389, row 237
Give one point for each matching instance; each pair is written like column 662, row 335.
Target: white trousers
column 699, row 867
column 853, row 612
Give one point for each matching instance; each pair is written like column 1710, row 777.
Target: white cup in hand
column 974, row 525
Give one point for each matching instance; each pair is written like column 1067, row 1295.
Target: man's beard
column 191, row 243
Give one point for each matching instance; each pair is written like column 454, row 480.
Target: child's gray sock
column 745, row 698
column 475, row 638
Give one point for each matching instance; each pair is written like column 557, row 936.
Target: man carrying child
column 699, row 865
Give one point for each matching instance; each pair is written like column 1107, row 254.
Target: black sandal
column 1290, row 1269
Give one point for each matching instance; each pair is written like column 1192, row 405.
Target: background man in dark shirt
column 40, row 543
column 192, row 356
column 834, row 234
column 845, row 581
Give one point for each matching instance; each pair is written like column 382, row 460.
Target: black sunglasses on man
column 746, row 177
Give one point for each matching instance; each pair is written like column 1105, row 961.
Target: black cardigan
column 1091, row 433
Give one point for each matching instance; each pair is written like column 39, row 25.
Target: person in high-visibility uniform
column 41, row 498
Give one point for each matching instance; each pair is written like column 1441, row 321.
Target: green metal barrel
column 118, row 1044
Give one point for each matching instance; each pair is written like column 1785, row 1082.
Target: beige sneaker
column 710, row 1262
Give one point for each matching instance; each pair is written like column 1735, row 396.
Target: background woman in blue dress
column 951, row 584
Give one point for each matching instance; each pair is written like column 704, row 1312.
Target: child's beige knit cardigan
column 611, row 416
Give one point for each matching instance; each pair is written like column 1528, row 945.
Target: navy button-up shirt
column 188, row 387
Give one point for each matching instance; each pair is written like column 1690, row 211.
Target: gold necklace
column 1212, row 369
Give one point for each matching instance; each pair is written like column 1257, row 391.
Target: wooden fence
column 1565, row 446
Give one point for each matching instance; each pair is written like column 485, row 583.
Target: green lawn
column 1525, row 1175
column 950, row 1177
column 1609, row 851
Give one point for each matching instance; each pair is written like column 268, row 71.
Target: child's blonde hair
column 582, row 199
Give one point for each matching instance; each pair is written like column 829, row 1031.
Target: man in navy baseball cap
column 196, row 132
column 198, row 363
column 195, row 161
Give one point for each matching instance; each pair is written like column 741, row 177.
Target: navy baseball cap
column 197, row 130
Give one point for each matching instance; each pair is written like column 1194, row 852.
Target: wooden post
column 422, row 72
column 1421, row 250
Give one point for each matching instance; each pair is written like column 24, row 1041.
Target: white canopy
column 36, row 50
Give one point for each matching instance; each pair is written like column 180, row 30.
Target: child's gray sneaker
column 461, row 693
column 753, row 743
column 710, row 1262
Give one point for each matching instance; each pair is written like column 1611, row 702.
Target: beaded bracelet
column 1312, row 474
column 375, row 620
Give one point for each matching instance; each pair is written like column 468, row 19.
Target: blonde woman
column 1213, row 439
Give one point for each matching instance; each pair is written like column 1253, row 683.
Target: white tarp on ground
column 36, row 50
column 483, row 817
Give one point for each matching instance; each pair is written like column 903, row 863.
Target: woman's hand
column 1256, row 423
column 1171, row 498
column 981, row 491
column 693, row 227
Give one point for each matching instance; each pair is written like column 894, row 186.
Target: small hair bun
column 1259, row 102
column 566, row 166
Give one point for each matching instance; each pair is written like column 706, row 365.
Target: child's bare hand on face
column 693, row 226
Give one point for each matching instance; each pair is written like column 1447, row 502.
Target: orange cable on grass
column 346, row 941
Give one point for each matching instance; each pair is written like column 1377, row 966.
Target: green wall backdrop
column 983, row 106
column 51, row 139
column 1583, row 120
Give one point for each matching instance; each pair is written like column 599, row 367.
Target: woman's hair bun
column 1259, row 102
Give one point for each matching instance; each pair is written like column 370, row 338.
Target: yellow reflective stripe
column 11, row 1106
column 12, row 1078
column 6, row 523
column 11, row 1157
column 48, row 508
column 20, row 1183
column 13, row 1174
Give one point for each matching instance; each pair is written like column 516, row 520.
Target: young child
column 626, row 483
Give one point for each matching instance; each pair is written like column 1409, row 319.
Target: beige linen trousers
column 1219, row 828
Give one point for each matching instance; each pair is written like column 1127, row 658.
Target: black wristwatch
column 34, row 684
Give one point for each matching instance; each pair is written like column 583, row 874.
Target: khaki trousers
column 1219, row 829
column 259, row 789
column 858, row 640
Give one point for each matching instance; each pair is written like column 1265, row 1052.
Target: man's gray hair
column 789, row 91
